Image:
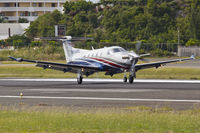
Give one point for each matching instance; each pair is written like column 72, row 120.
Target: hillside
column 152, row 21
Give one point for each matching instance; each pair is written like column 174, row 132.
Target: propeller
column 132, row 55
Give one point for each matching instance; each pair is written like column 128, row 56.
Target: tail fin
column 67, row 50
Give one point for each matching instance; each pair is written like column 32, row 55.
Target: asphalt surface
column 105, row 93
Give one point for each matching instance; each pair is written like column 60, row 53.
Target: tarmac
column 94, row 93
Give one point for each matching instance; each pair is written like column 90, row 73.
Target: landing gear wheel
column 79, row 80
column 131, row 79
column 125, row 79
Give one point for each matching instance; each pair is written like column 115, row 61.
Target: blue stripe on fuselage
column 86, row 63
column 91, row 62
column 102, row 66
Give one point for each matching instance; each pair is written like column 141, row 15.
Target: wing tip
column 192, row 57
column 16, row 59
column 13, row 58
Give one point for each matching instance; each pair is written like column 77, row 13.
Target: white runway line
column 91, row 90
column 103, row 99
column 107, row 80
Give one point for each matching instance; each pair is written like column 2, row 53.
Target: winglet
column 16, row 59
column 192, row 57
column 12, row 58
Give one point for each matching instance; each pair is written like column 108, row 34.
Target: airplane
column 111, row 60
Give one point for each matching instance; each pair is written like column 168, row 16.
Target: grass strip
column 65, row 120
column 161, row 73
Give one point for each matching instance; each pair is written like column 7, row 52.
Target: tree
column 193, row 42
column 75, row 7
column 44, row 25
column 130, row 20
column 18, row 41
column 3, row 19
column 23, row 20
column 194, row 19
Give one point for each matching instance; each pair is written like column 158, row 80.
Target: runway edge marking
column 104, row 99
column 107, row 80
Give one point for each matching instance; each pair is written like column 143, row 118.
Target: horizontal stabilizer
column 68, row 38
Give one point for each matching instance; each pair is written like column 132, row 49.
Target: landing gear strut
column 79, row 77
column 132, row 74
column 125, row 77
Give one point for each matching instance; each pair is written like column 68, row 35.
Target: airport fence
column 188, row 51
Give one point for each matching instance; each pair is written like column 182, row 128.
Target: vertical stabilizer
column 70, row 52
column 67, row 49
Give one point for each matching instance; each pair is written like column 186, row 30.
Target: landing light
column 125, row 57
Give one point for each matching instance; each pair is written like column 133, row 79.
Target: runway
column 177, row 94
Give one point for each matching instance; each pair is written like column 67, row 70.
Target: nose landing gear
column 125, row 77
column 79, row 77
column 132, row 74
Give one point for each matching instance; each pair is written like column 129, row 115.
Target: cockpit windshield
column 116, row 50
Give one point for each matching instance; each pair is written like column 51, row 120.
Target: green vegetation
column 161, row 73
column 3, row 19
column 152, row 21
column 50, row 51
column 111, row 22
column 68, row 120
column 17, row 41
column 155, row 23
column 23, row 20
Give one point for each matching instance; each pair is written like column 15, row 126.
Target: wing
column 59, row 66
column 160, row 63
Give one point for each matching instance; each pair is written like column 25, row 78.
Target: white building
column 13, row 28
column 28, row 9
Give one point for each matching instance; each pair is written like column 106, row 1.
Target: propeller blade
column 145, row 60
column 144, row 55
column 138, row 46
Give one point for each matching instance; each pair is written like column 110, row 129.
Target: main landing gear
column 79, row 77
column 130, row 79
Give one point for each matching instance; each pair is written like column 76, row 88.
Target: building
column 10, row 29
column 12, row 10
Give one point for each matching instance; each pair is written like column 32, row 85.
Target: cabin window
column 99, row 54
column 116, row 50
column 93, row 55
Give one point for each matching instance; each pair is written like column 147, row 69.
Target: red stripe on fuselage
column 110, row 63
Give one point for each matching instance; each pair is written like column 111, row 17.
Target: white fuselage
column 115, row 54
